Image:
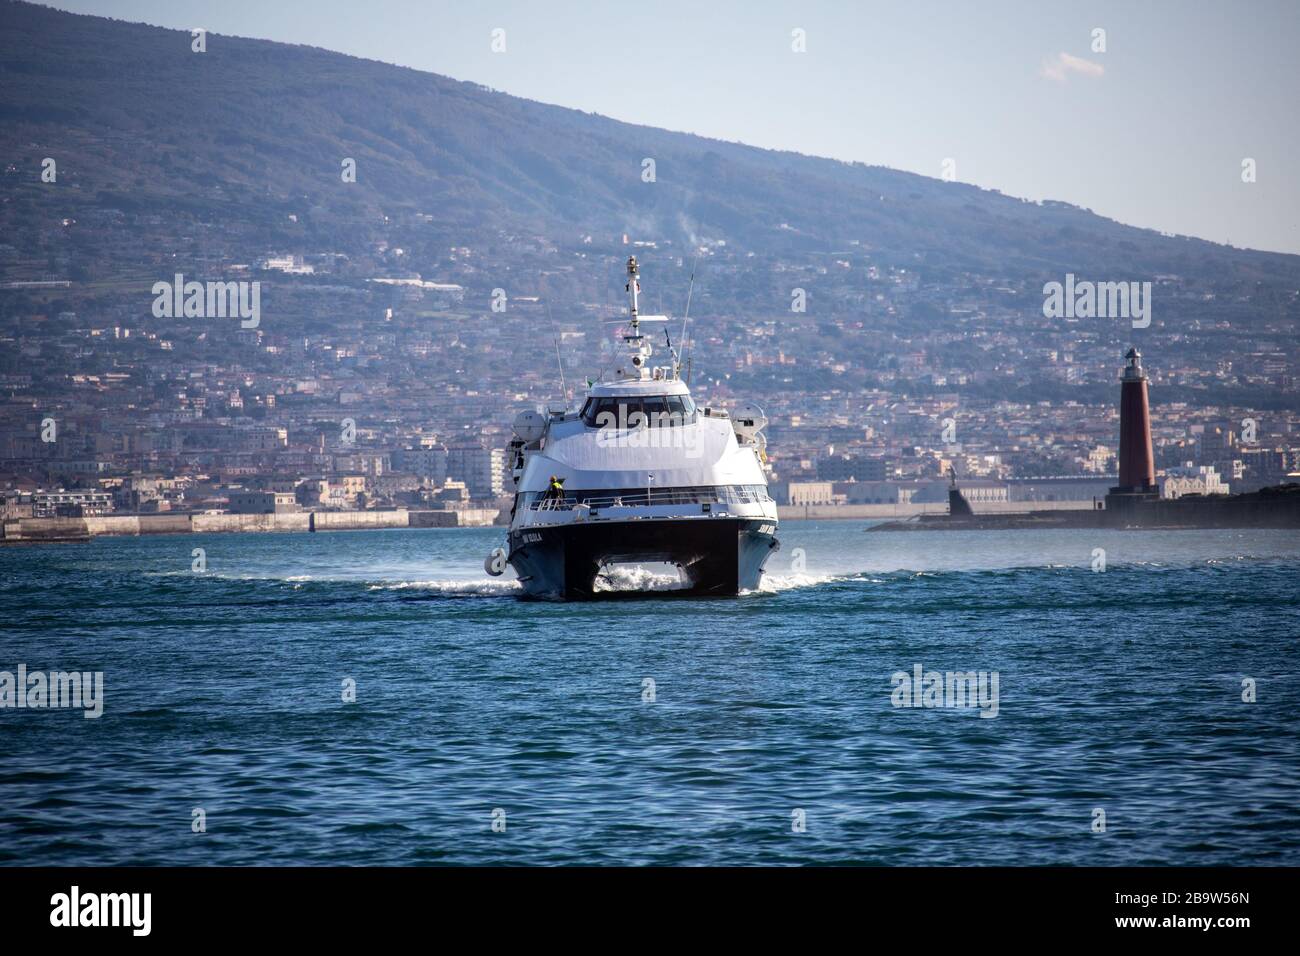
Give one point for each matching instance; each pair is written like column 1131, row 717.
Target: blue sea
column 755, row 730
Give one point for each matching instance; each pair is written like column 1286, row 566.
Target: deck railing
column 639, row 498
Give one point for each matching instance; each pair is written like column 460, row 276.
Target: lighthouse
column 1137, row 471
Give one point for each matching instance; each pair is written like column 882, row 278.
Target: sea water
column 375, row 698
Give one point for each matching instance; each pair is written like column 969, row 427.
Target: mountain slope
column 250, row 128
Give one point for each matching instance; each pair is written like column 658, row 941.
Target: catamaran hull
column 718, row 556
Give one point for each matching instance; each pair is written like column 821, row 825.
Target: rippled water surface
column 1118, row 691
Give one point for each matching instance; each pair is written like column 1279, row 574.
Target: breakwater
column 1275, row 507
column 29, row 530
column 860, row 512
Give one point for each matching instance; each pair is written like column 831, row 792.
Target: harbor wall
column 80, row 529
column 357, row 520
column 294, row 521
column 457, row 518
column 886, row 512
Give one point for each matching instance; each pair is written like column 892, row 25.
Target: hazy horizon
column 1151, row 132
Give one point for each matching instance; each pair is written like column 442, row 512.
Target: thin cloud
column 1059, row 67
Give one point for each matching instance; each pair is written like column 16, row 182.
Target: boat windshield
column 636, row 411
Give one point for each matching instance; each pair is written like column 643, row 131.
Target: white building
column 483, row 470
column 262, row 502
column 1191, row 480
column 291, row 265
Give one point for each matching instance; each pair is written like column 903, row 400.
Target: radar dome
column 530, row 425
column 748, row 420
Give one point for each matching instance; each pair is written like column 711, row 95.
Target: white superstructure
column 640, row 474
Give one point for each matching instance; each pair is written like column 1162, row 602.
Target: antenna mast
column 686, row 317
column 555, row 337
column 633, row 288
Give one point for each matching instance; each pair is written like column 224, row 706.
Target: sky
column 1152, row 131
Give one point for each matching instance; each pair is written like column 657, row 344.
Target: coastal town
column 385, row 378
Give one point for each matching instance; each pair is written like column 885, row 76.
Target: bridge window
column 634, row 411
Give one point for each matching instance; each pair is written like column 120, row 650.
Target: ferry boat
column 638, row 475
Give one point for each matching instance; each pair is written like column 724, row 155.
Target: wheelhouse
column 633, row 411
